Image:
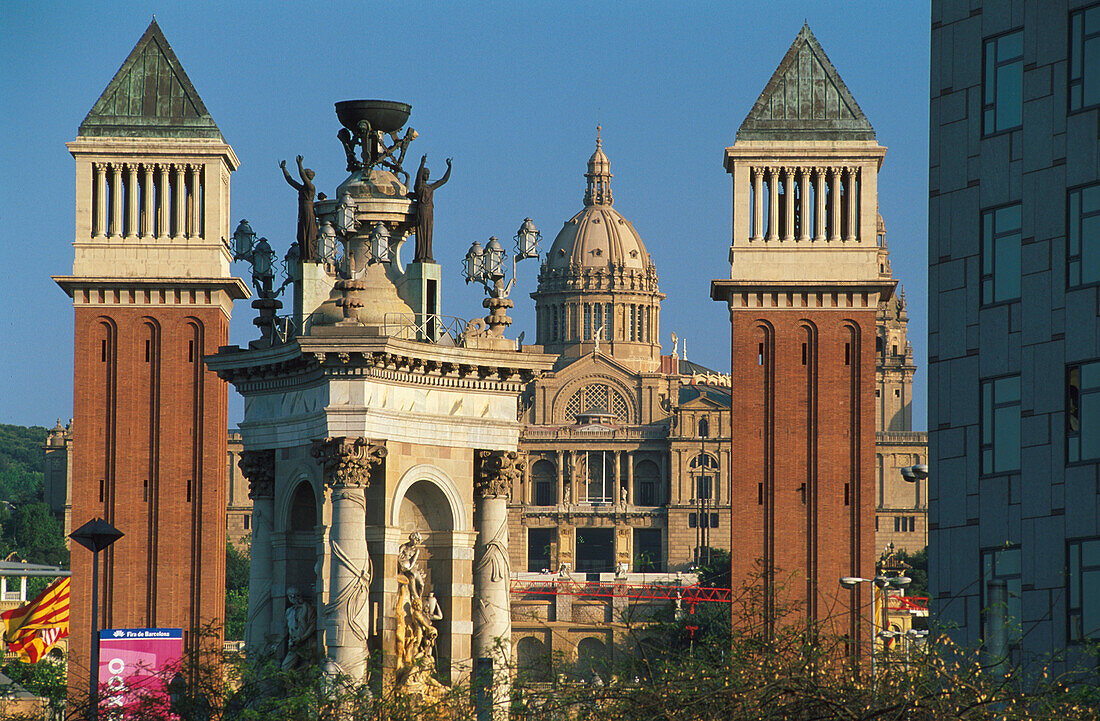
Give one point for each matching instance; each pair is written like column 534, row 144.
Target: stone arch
column 544, row 483
column 301, row 508
column 592, row 658
column 533, row 659
column 577, row 385
column 435, row 476
column 647, row 483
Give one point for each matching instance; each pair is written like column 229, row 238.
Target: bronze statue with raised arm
column 307, row 221
column 425, row 210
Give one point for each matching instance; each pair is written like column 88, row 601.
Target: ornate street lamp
column 494, row 259
column 328, row 242
column 243, row 238
column 527, row 240
column 475, row 264
column 380, row 243
column 263, row 267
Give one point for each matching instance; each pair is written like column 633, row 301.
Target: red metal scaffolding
column 690, row 595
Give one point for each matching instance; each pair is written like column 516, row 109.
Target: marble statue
column 416, row 634
column 301, row 630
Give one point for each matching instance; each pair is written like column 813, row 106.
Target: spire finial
column 599, row 140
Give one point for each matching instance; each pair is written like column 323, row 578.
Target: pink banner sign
column 135, row 666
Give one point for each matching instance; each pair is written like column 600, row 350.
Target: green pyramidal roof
column 150, row 97
column 806, row 100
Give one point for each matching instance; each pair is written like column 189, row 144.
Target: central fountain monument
column 380, row 451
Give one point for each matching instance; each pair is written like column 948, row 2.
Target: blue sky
column 511, row 91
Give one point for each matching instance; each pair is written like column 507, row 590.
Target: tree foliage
column 21, row 475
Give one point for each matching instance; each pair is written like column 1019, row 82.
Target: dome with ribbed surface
column 598, row 286
column 598, row 236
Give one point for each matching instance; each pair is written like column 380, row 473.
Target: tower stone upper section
column 152, row 184
column 805, row 171
column 598, row 284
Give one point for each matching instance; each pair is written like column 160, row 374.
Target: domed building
column 598, row 285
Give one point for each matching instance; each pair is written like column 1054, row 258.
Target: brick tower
column 152, row 294
column 803, row 291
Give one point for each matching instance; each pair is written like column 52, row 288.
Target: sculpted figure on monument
column 407, row 563
column 301, row 630
column 307, row 221
column 425, row 209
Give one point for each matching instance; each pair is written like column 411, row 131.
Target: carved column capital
column 347, row 462
column 259, row 468
column 495, row 471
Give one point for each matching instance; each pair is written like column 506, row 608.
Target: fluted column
column 346, row 465
column 834, row 204
column 131, row 200
column 495, row 472
column 100, row 229
column 561, row 476
column 259, row 468
column 147, row 228
column 819, row 203
column 116, row 200
column 630, row 476
column 757, row 203
column 180, row 230
column 193, row 208
column 773, row 203
column 804, row 204
column 162, row 219
column 788, row 205
column 618, row 479
column 852, row 203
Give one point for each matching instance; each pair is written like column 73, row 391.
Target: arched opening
column 646, row 479
column 592, row 659
column 426, row 509
column 302, row 515
column 533, row 659
column 704, row 428
column 544, row 481
column 301, row 541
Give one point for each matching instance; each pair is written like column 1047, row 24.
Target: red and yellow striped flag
column 32, row 629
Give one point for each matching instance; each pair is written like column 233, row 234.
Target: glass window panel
column 1008, row 218
column 1074, row 448
column 1006, row 443
column 990, row 73
column 1074, row 220
column 1089, row 374
column 1008, row 562
column 1074, row 575
column 987, row 243
column 1090, row 553
column 1074, row 273
column 1008, row 389
column 1092, row 20
column 989, row 121
column 1075, row 49
column 1090, row 199
column 987, row 460
column 1075, row 95
column 1090, row 604
column 987, row 412
column 1009, row 96
column 1010, row 46
column 1007, row 268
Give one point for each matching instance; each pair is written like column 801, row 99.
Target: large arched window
column 647, row 478
column 704, row 469
column 597, row 398
column 591, row 658
column 303, row 508
column 544, row 479
column 599, row 477
column 533, row 659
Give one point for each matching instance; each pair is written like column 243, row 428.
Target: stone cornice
column 73, row 284
column 571, row 513
column 787, row 295
column 309, row 358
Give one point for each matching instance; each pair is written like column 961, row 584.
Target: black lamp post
column 95, row 535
